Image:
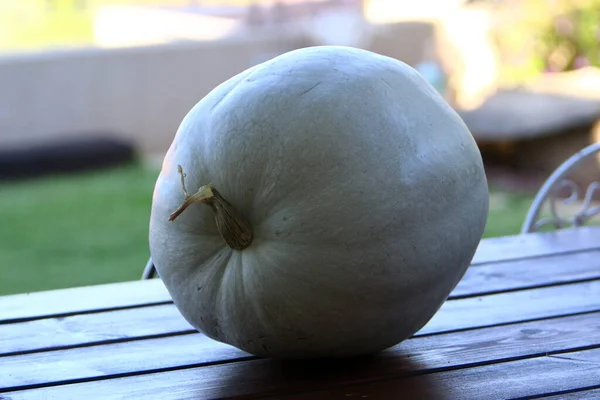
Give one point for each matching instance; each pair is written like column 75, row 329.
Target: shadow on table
column 385, row 375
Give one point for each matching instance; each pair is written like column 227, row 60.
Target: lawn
column 93, row 228
column 73, row 231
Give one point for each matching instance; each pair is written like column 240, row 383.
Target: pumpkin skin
column 365, row 191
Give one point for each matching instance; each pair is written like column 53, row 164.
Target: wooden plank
column 363, row 378
column 459, row 314
column 129, row 294
column 529, row 273
column 488, row 278
column 537, row 244
column 474, row 312
column 62, row 302
column 524, row 378
column 438, row 351
column 578, row 395
column 85, row 329
column 114, row 359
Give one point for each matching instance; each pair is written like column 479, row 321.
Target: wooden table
column 524, row 322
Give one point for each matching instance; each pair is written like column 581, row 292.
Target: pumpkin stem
column 234, row 228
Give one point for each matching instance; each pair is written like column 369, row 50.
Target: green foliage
column 539, row 36
column 37, row 23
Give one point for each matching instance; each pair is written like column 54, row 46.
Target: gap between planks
column 539, row 244
column 587, row 393
column 529, row 378
column 544, row 374
column 463, row 314
column 482, row 280
column 439, row 352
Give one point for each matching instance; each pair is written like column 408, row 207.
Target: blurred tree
column 549, row 36
column 55, row 5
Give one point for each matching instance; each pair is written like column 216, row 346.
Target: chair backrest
column 550, row 192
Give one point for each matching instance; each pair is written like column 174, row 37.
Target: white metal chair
column 549, row 192
column 149, row 270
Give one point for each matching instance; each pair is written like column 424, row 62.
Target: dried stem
column 232, row 226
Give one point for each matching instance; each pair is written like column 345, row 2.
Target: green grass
column 93, row 228
column 74, row 231
column 507, row 212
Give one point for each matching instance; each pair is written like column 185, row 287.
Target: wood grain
column 517, row 247
column 590, row 394
column 341, row 380
column 543, row 375
column 502, row 308
column 122, row 325
column 529, row 273
column 63, row 302
column 85, row 329
column 432, row 352
column 126, row 340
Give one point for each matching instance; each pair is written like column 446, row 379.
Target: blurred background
column 92, row 92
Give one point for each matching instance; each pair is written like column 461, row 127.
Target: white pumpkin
column 340, row 200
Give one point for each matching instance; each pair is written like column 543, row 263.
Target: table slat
column 129, row 294
column 163, row 320
column 85, row 329
column 82, row 299
column 590, row 394
column 474, row 312
column 437, row 351
column 261, row 378
column 507, row 248
column 531, row 273
column 524, row 378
